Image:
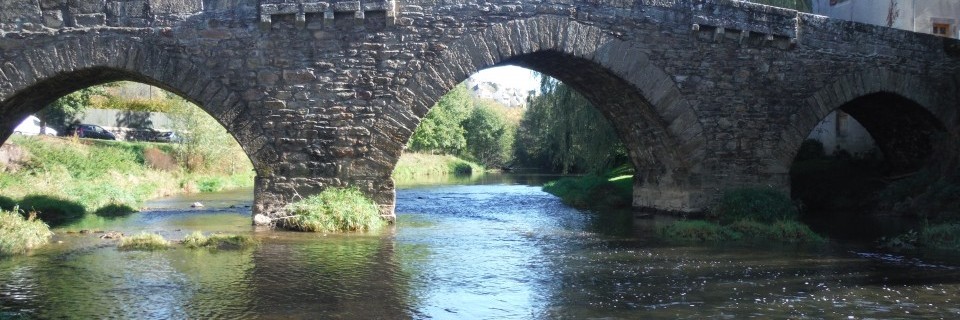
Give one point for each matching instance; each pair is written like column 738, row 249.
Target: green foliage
column 210, row 184
column 943, row 236
column 489, row 136
column 562, row 131
column 925, row 194
column 144, row 242
column 441, row 131
column 334, row 210
column 206, row 145
column 810, row 149
column 754, row 204
column 593, row 191
column 18, row 235
column 197, row 240
column 825, row 183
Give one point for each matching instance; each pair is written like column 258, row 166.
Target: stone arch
column 888, row 104
column 37, row 76
column 661, row 129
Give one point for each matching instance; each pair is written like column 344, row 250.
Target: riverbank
column 66, row 180
column 418, row 166
column 611, row 190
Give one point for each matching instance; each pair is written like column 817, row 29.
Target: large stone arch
column 33, row 78
column 918, row 99
column 661, row 129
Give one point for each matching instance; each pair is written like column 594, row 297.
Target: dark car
column 91, row 131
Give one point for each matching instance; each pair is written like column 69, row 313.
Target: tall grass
column 754, row 204
column 334, row 210
column 144, row 242
column 18, row 234
column 197, row 240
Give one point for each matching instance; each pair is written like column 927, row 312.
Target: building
column 939, row 17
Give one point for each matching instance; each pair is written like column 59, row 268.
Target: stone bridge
column 707, row 95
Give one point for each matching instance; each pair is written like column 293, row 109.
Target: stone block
column 91, row 20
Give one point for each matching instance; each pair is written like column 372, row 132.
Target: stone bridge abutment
column 708, row 95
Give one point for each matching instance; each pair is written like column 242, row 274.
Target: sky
column 509, row 76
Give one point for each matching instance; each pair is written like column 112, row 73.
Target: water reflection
column 495, row 249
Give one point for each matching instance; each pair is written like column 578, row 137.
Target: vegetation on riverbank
column 752, row 215
column 18, row 234
column 611, row 190
column 334, row 210
column 218, row 241
column 144, row 242
column 65, row 179
column 419, row 165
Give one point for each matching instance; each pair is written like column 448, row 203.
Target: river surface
column 497, row 248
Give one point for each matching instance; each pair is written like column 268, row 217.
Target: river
column 497, row 248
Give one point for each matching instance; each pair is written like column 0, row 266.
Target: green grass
column 144, row 242
column 412, row 166
column 197, row 240
column 593, row 191
column 739, row 231
column 18, row 234
column 754, row 204
column 66, row 179
column 941, row 236
column 334, row 210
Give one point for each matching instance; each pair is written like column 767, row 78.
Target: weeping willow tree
column 562, row 131
column 799, row 5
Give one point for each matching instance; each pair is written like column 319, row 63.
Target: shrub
column 19, row 235
column 334, row 210
column 157, row 159
column 144, row 242
column 210, row 184
column 754, row 204
column 941, row 236
column 197, row 240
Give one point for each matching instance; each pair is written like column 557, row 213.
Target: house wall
column 913, row 15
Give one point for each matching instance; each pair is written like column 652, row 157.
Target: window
column 941, row 29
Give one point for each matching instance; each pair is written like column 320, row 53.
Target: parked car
column 31, row 127
column 169, row 136
column 91, row 131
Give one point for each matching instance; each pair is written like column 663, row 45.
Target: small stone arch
column 926, row 96
column 37, row 76
column 661, row 129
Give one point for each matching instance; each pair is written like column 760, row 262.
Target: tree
column 562, row 131
column 489, row 135
column 441, row 131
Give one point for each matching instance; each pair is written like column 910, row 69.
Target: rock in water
column 196, row 205
column 261, row 220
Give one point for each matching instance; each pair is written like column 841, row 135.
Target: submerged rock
column 196, row 205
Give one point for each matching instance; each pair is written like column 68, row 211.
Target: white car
column 31, row 127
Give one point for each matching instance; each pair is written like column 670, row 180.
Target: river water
column 498, row 248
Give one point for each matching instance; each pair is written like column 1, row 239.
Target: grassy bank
column 611, row 190
column 66, row 179
column 750, row 215
column 413, row 166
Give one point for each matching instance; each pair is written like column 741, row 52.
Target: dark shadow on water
column 53, row 211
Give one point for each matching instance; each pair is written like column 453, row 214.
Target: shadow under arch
column 905, row 115
column 39, row 77
column 659, row 127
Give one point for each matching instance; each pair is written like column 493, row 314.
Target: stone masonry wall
column 708, row 95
